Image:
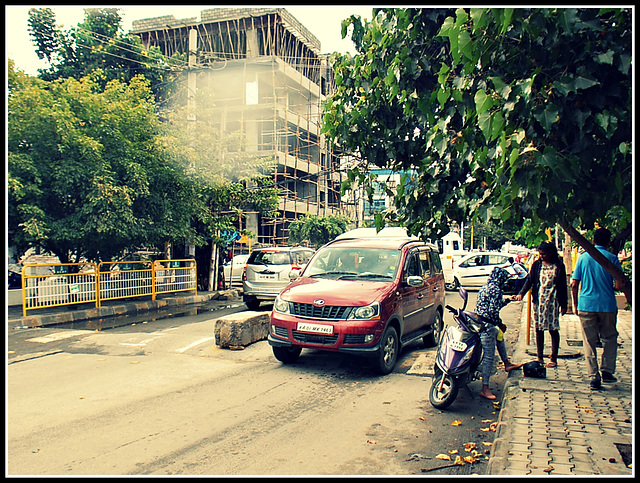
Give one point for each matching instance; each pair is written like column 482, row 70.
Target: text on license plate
column 315, row 328
column 457, row 345
column 266, row 277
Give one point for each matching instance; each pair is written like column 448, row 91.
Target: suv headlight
column 366, row 312
column 280, row 305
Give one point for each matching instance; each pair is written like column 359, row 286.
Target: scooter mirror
column 465, row 296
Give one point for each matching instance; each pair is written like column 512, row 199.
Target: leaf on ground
column 459, row 461
column 371, row 441
column 457, row 422
column 453, row 451
column 442, row 456
column 469, row 447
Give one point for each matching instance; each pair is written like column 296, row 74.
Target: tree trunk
column 599, row 257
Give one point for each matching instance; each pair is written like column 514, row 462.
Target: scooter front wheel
column 444, row 390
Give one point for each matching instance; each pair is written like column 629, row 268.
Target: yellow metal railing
column 119, row 280
column 175, row 276
column 51, row 285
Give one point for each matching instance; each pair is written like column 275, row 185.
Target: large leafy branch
column 498, row 114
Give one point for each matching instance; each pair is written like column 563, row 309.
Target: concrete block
column 241, row 329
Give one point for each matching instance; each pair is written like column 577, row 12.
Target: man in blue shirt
column 597, row 309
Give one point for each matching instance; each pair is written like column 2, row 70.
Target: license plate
column 266, row 277
column 457, row 345
column 315, row 328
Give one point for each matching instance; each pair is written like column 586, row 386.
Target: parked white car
column 235, row 267
column 473, row 270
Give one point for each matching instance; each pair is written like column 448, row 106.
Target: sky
column 323, row 22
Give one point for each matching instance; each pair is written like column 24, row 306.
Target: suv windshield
column 362, row 263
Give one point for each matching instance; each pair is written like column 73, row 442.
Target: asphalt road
column 158, row 397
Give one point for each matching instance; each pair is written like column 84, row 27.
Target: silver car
column 269, row 270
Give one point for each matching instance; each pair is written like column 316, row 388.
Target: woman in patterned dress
column 547, row 280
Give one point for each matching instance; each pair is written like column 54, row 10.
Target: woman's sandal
column 513, row 367
column 551, row 364
column 489, row 396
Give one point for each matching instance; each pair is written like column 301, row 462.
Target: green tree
column 215, row 179
column 495, row 235
column 317, row 230
column 504, row 114
column 87, row 173
column 99, row 43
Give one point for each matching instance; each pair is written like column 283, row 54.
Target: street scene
column 319, row 241
column 159, row 397
column 121, row 390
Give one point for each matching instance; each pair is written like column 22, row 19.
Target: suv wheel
column 433, row 338
column 385, row 359
column 252, row 303
column 286, row 355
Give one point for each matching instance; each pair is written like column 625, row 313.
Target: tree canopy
column 88, row 176
column 317, row 230
column 99, row 43
column 94, row 169
column 502, row 114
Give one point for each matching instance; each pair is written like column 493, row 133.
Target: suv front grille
column 324, row 312
column 315, row 338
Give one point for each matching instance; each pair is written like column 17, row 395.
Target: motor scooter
column 459, row 355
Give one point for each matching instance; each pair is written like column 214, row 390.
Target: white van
column 451, row 250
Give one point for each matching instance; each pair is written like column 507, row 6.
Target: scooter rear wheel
column 442, row 398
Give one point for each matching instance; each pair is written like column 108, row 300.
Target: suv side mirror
column 294, row 273
column 415, row 281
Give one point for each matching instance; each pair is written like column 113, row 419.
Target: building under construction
column 268, row 81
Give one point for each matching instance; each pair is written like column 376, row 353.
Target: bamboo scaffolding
column 290, row 128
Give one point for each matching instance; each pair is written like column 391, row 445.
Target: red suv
column 367, row 296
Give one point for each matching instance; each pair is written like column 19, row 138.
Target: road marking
column 59, row 336
column 198, row 342
column 142, row 342
column 423, row 364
